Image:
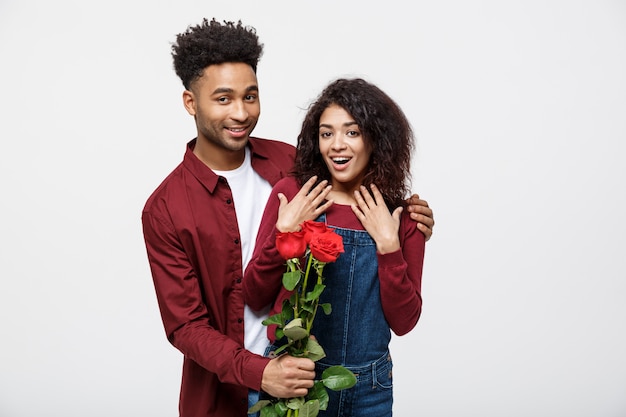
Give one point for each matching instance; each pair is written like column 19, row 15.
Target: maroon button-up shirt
column 194, row 250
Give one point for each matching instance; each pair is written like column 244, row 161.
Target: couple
column 205, row 223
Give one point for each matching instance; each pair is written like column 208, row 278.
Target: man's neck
column 217, row 158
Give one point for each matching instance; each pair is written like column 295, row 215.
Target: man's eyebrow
column 222, row 90
column 227, row 90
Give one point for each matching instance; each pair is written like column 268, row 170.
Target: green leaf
column 274, row 319
column 279, row 333
column 260, row 404
column 315, row 294
column 308, row 306
column 315, row 350
column 310, row 409
column 291, row 279
column 291, row 302
column 294, row 323
column 295, row 403
column 318, row 392
column 327, row 308
column 294, row 330
column 268, row 411
column 281, row 408
column 287, row 310
column 338, row 378
column 296, row 333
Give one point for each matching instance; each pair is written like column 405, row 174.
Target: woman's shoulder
column 287, row 182
column 408, row 226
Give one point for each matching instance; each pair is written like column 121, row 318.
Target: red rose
column 311, row 228
column 290, row 244
column 326, row 246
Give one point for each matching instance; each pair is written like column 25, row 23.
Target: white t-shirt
column 250, row 194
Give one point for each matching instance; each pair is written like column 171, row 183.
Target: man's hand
column 422, row 214
column 287, row 377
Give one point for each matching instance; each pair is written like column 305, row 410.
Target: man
column 200, row 226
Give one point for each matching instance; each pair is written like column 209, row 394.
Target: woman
column 352, row 170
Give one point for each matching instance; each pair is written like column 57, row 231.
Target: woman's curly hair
column 211, row 43
column 384, row 127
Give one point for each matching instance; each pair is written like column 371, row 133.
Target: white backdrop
column 520, row 112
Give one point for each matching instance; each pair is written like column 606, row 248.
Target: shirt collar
column 203, row 173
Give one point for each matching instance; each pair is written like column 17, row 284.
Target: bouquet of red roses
column 318, row 245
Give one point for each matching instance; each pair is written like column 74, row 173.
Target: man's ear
column 189, row 101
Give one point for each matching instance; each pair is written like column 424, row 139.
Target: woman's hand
column 305, row 205
column 375, row 217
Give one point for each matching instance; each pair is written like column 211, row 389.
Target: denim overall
column 356, row 333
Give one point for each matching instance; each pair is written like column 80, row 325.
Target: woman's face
column 344, row 149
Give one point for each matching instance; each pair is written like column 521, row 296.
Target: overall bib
column 356, row 333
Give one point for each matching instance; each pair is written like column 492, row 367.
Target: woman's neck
column 341, row 197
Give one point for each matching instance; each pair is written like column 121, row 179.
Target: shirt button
column 238, row 280
column 228, row 201
column 239, row 320
column 236, row 241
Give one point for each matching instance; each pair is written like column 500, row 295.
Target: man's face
column 225, row 104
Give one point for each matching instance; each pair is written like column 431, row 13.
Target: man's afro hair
column 212, row 43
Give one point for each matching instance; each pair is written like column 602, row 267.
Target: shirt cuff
column 391, row 260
